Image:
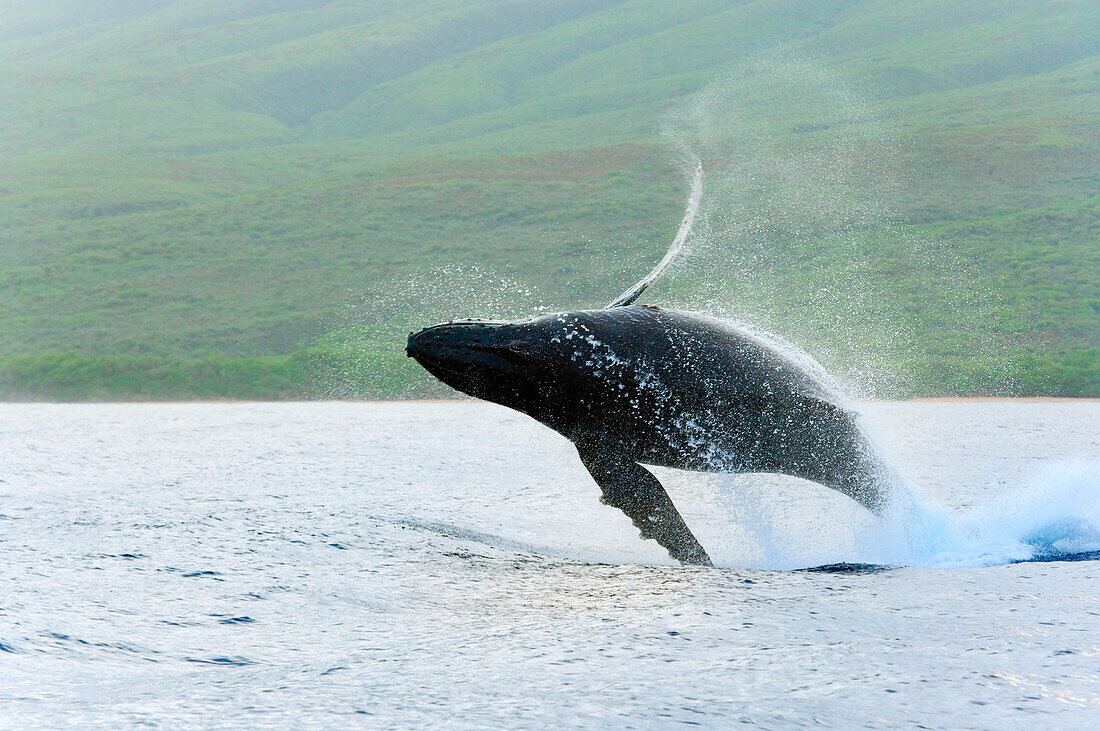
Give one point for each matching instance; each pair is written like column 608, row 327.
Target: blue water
column 319, row 565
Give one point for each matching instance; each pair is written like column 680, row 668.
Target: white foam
column 1058, row 512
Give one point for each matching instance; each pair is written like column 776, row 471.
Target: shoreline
column 989, row 399
column 917, row 400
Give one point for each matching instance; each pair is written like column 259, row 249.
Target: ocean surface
column 325, row 565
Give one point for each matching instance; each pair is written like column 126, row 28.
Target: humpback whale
column 634, row 385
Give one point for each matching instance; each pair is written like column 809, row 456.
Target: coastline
column 921, row 399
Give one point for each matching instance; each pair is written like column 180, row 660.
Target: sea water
column 449, row 564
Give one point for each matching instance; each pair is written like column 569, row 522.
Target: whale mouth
column 434, row 365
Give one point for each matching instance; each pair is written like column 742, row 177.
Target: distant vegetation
column 259, row 200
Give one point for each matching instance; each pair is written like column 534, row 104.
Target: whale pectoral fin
column 633, row 489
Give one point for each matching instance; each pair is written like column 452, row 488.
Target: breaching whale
column 635, row 384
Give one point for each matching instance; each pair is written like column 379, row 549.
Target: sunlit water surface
column 328, row 564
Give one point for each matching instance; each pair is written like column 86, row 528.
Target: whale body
column 635, row 385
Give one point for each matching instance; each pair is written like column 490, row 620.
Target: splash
column 805, row 229
column 766, row 523
column 674, row 250
column 1056, row 515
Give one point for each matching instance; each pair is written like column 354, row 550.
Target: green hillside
column 260, row 199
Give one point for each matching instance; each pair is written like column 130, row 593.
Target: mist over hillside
column 259, row 199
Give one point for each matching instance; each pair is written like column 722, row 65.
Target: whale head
column 489, row 360
column 550, row 367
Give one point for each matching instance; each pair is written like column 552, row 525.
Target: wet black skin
column 638, row 384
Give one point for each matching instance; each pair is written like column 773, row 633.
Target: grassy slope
column 195, row 192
